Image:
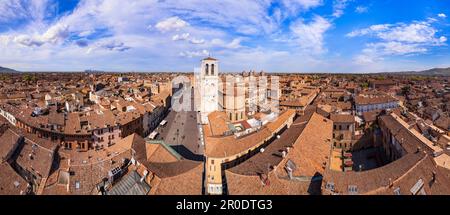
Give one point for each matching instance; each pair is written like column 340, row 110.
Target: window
column 352, row 189
column 212, row 69
column 330, row 186
column 206, row 69
column 77, row 185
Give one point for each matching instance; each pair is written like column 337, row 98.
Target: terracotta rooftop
column 229, row 145
column 409, row 141
column 11, row 183
column 378, row 177
column 218, row 123
column 371, row 116
column 380, row 99
column 158, row 154
column 342, row 118
column 209, row 58
column 187, row 183
column 403, row 173
column 8, row 142
column 85, row 177
column 253, row 185
column 35, row 158
column 311, row 151
column 164, row 167
column 261, row 162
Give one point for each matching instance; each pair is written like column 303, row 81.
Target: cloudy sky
column 274, row 36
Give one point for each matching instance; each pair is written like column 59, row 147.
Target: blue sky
column 275, row 36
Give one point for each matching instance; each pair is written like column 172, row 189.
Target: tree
column 364, row 85
column 406, row 90
column 29, row 78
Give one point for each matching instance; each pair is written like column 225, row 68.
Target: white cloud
column 187, row 37
column 56, row 33
column 310, row 35
column 376, row 52
column 111, row 45
column 398, row 39
column 396, row 48
column 24, row 9
column 149, row 28
column 361, row 9
column 364, row 59
column 302, row 4
column 339, row 7
column 416, row 32
column 4, row 40
column 234, row 44
column 27, row 40
column 172, row 23
column 184, row 36
column 196, row 41
column 191, row 54
column 442, row 15
column 86, row 33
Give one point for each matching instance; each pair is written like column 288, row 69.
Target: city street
column 181, row 132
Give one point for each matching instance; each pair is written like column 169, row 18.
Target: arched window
column 206, row 69
column 212, row 69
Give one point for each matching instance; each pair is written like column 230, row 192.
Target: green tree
column 406, row 90
column 29, row 78
column 365, row 85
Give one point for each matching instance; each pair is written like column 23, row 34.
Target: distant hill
column 7, row 70
column 429, row 72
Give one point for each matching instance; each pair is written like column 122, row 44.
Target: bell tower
column 209, row 87
column 209, row 67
